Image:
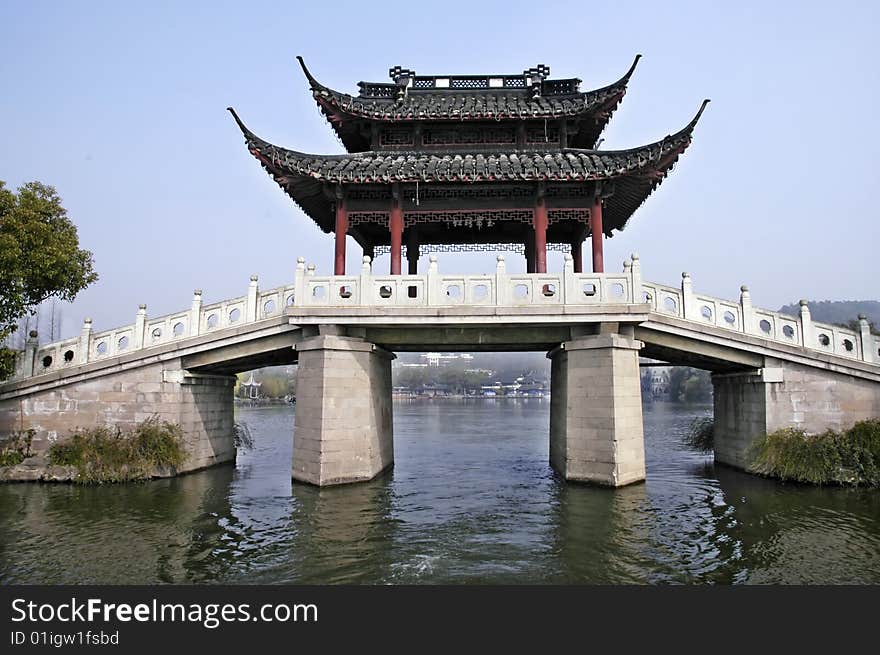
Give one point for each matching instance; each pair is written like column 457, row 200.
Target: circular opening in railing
column 289, row 300
column 234, row 315
column 617, row 290
column 521, row 291
column 765, row 326
column 412, row 291
column 706, row 312
column 647, row 297
column 729, row 318
column 453, row 291
column 848, row 345
column 156, row 334
column 344, row 292
column 212, row 321
column 788, row 331
column 177, row 330
column 385, row 291
column 549, row 290
column 269, row 307
column 670, row 305
column 101, row 348
column 589, row 289
column 318, row 292
column 47, row 361
column 68, row 356
column 824, row 340
column 122, row 344
column 481, row 291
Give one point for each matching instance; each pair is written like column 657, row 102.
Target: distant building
column 250, row 388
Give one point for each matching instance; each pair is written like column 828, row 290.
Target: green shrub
column 17, row 448
column 850, row 457
column 701, row 434
column 110, row 455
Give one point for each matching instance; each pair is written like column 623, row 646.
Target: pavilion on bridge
column 471, row 162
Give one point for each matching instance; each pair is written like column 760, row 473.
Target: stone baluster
column 745, row 304
column 195, row 314
column 568, row 280
column 809, row 336
column 299, row 282
column 251, row 303
column 140, row 322
column 688, row 302
column 434, row 289
column 869, row 343
column 627, row 273
column 635, row 271
column 85, row 341
column 500, row 280
column 30, row 353
column 365, row 286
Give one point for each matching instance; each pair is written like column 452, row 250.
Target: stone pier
column 343, row 430
column 200, row 403
column 785, row 394
column 596, row 432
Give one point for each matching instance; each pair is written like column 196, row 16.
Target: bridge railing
column 743, row 317
column 436, row 290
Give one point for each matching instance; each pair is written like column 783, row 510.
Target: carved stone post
column 195, row 314
column 869, row 347
column 636, row 282
column 807, row 332
column 500, row 280
column 299, row 282
column 688, row 302
column 745, row 303
column 434, row 289
column 251, row 305
column 140, row 321
column 365, row 288
column 85, row 341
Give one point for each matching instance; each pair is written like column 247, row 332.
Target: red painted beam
column 596, row 227
column 341, row 232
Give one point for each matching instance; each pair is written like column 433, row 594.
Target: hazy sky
column 121, row 107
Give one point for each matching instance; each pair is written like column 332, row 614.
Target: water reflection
column 471, row 499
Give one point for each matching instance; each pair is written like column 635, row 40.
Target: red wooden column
column 540, row 223
column 577, row 254
column 395, row 226
column 341, row 232
column 412, row 251
column 530, row 251
column 596, row 227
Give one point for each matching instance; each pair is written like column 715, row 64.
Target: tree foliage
column 40, row 257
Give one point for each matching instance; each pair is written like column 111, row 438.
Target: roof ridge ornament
column 535, row 78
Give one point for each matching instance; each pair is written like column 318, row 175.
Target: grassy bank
column 110, row 455
column 851, row 457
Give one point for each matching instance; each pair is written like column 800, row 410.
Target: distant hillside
column 837, row 311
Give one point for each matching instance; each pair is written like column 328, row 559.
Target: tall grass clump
column 106, row 454
column 16, row 448
column 851, row 457
column 701, row 434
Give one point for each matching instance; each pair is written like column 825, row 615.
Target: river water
column 471, row 499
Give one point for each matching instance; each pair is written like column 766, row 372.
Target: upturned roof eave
column 632, row 160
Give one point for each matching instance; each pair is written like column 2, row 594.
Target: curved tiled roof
column 467, row 105
column 636, row 171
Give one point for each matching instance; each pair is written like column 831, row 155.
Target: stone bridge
column 769, row 370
